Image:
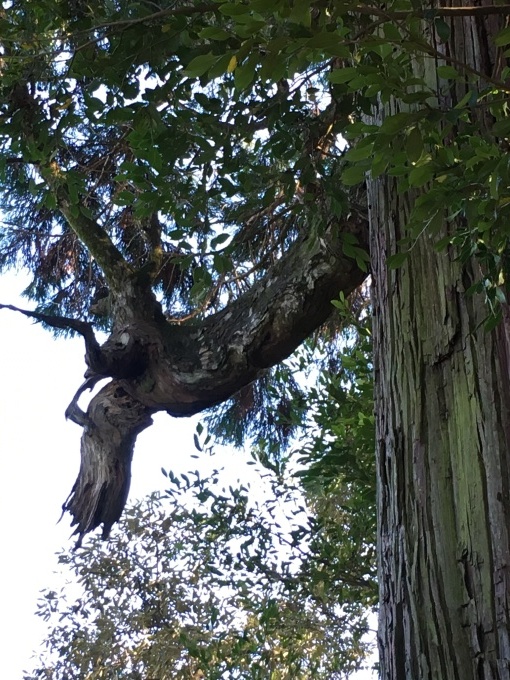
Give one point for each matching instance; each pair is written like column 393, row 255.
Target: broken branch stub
column 113, row 421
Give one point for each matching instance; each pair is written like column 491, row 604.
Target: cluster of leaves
column 338, row 466
column 205, row 582
column 444, row 139
column 206, row 114
column 186, row 143
column 203, row 138
column 222, row 118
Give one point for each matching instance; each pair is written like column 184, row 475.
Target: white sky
column 39, row 462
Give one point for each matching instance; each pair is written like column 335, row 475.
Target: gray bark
column 443, row 446
column 185, row 368
column 443, row 424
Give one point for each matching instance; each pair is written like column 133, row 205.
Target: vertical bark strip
column 113, row 421
column 443, row 424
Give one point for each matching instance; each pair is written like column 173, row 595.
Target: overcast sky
column 40, row 460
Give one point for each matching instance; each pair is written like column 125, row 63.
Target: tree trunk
column 443, row 442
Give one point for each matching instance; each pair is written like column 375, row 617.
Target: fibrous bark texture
column 113, row 421
column 442, row 399
column 443, row 441
column 185, row 368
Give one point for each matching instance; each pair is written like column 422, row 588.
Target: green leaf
column 200, row 65
column 353, row 240
column 301, row 13
column 324, row 40
column 50, row 200
column 244, row 75
column 492, row 321
column 353, row 174
column 503, row 37
column 124, row 197
column 152, row 155
column 391, row 32
column 397, row 260
column 421, row 174
column 219, row 68
column 501, row 128
column 274, row 67
column 343, row 75
column 470, row 98
column 396, row 123
column 262, row 5
column 447, row 72
column 414, row 144
column 214, row 33
column 218, row 240
column 443, row 243
column 361, row 151
column 231, row 9
column 222, row 263
column 379, row 165
column 442, row 29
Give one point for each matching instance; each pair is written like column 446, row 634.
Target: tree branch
column 187, row 10
column 82, row 327
column 195, row 365
column 90, row 233
column 433, row 12
column 187, row 368
column 73, row 411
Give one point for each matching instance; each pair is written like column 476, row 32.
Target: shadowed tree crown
column 175, row 183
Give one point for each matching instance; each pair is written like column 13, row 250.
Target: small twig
column 82, row 327
column 433, row 12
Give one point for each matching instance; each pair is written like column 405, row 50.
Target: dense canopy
column 203, row 182
column 174, row 182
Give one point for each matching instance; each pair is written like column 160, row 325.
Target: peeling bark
column 184, row 368
column 443, row 424
column 443, row 442
column 112, row 423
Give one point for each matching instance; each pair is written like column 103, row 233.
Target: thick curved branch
column 184, row 369
column 197, row 365
column 91, row 234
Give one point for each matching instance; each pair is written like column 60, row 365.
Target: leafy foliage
column 201, row 136
column 192, row 177
column 204, row 582
column 200, row 140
